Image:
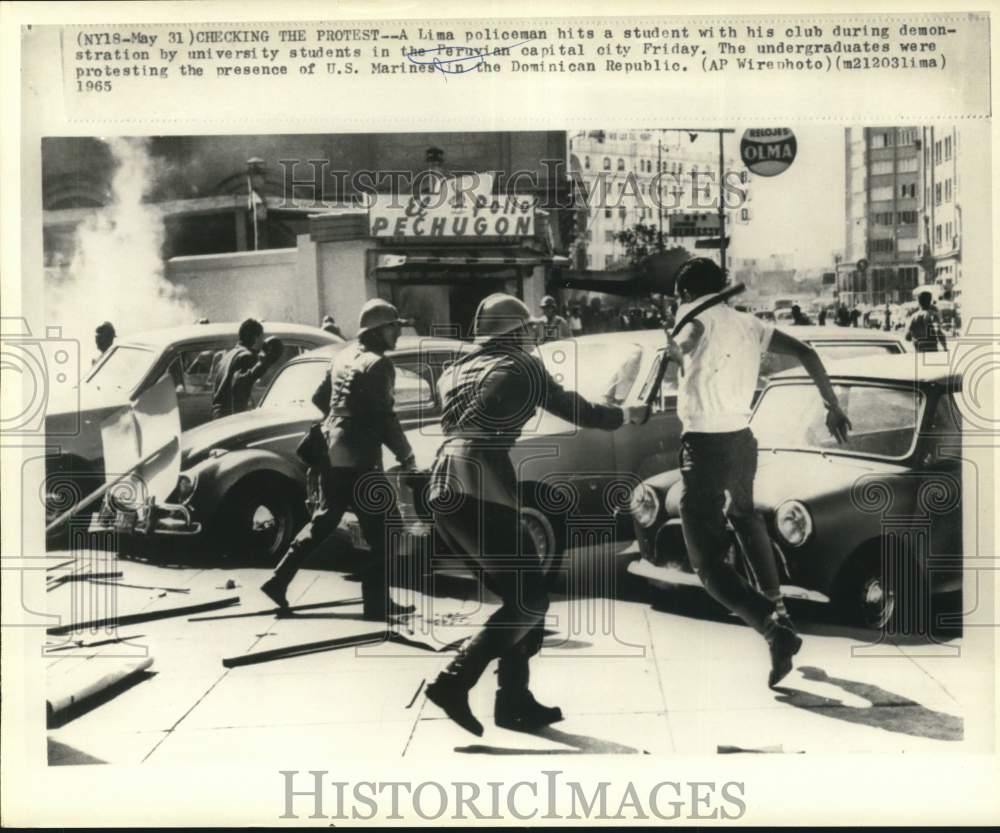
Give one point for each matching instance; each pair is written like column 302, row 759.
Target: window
column 882, row 167
column 937, row 194
column 586, row 162
column 947, row 190
column 937, row 235
column 907, row 218
column 947, row 147
column 413, row 387
column 621, row 164
column 908, row 190
column 883, row 246
column 937, row 151
column 907, row 165
column 882, row 218
column 609, row 237
column 608, row 260
column 881, row 139
column 947, row 231
column 607, row 163
column 607, row 212
column 883, row 192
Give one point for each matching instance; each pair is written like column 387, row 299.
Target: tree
column 642, row 254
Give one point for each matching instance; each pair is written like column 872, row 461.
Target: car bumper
column 146, row 521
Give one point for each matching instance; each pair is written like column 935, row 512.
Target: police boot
column 784, row 643
column 516, row 707
column 450, row 690
column 275, row 589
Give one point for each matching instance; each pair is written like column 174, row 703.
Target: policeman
column 241, row 367
column 356, row 397
column 554, row 326
column 488, row 397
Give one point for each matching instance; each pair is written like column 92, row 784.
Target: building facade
column 903, row 214
column 621, row 171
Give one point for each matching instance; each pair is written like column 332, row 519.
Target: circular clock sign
column 768, row 151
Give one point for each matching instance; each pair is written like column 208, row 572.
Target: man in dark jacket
column 241, row 367
column 357, row 399
column 924, row 326
column 488, row 398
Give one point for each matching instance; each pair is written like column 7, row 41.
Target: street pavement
column 672, row 677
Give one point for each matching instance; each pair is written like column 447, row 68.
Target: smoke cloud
column 116, row 270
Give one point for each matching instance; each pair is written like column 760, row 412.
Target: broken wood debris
column 144, row 616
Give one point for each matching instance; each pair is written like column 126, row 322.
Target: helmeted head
column 925, row 299
column 379, row 322
column 104, row 335
column 548, row 306
column 499, row 315
column 699, row 276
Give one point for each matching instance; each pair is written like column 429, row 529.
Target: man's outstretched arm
column 836, row 419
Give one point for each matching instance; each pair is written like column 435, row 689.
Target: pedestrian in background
column 357, row 400
column 924, row 327
column 488, row 398
column 104, row 337
column 330, row 326
column 575, row 322
column 241, row 367
column 719, row 353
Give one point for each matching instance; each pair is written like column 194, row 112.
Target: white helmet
column 499, row 314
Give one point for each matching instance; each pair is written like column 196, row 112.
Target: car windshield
column 884, row 419
column 295, row 384
column 829, row 351
column 598, row 371
column 123, row 368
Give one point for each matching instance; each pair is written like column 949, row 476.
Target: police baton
column 687, row 318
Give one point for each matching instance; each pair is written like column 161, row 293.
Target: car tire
column 538, row 529
column 258, row 520
column 889, row 595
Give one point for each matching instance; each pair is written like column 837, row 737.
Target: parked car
column 833, row 511
column 242, row 487
column 574, row 481
column 133, row 365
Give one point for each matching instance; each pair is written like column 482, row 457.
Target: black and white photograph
column 522, row 446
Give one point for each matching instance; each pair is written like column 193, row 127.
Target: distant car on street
column 132, row 365
column 575, row 482
column 875, row 525
column 242, row 487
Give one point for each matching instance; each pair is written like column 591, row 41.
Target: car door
column 941, row 464
column 191, row 368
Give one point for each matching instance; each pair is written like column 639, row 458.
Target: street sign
column 694, row 224
column 768, row 152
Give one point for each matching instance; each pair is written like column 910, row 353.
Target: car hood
column 239, row 430
column 784, row 475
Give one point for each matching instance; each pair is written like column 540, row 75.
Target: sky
column 799, row 212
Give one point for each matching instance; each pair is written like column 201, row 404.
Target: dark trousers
column 489, row 535
column 711, row 465
column 371, row 496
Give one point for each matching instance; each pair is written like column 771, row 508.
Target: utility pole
column 659, row 180
column 722, row 206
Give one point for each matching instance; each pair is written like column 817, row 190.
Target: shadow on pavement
column 889, row 711
column 582, row 745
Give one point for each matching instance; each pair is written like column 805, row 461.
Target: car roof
column 814, row 332
column 198, row 332
column 921, row 368
column 405, row 344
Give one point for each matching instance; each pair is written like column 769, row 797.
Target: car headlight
column 793, row 522
column 185, row 487
column 643, row 505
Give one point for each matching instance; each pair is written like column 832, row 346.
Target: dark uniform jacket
column 488, row 397
column 234, row 381
column 357, row 398
column 924, row 330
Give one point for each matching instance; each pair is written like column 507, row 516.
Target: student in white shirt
column 719, row 353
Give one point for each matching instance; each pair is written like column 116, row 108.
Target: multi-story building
column 882, row 210
column 903, row 212
column 619, row 171
column 941, row 228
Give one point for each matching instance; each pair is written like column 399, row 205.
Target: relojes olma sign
column 768, row 151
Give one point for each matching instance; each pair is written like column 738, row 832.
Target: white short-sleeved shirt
column 716, row 390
